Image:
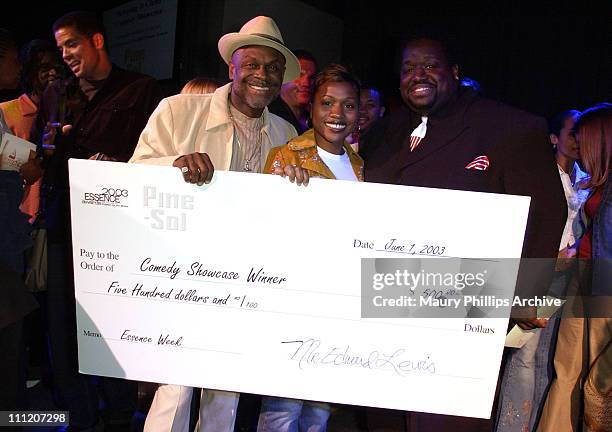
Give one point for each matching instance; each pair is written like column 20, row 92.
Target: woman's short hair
column 335, row 73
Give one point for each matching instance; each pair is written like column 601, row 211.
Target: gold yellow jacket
column 302, row 151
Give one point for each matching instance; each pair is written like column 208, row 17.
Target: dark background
column 542, row 57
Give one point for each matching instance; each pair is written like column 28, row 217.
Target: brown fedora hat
column 260, row 30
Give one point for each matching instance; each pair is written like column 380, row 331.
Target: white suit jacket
column 189, row 123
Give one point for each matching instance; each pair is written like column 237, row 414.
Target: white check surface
column 298, row 332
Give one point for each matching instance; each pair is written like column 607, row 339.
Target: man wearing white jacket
column 230, row 129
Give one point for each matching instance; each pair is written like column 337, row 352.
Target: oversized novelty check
column 252, row 284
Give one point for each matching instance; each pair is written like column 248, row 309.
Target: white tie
column 418, row 133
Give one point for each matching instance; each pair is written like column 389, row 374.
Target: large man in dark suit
column 469, row 143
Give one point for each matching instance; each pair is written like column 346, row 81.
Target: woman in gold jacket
column 323, row 152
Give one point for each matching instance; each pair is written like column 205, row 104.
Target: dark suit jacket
column 521, row 163
column 111, row 123
column 516, row 143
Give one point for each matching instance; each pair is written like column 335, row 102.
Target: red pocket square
column 481, row 163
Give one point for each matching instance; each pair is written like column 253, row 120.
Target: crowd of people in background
column 282, row 113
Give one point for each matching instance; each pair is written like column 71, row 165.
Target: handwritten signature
column 311, row 353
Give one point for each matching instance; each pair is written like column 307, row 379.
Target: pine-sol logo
column 107, row 196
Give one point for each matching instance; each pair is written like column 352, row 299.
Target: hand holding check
column 196, row 168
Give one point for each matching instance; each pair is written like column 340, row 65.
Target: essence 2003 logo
column 108, row 196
